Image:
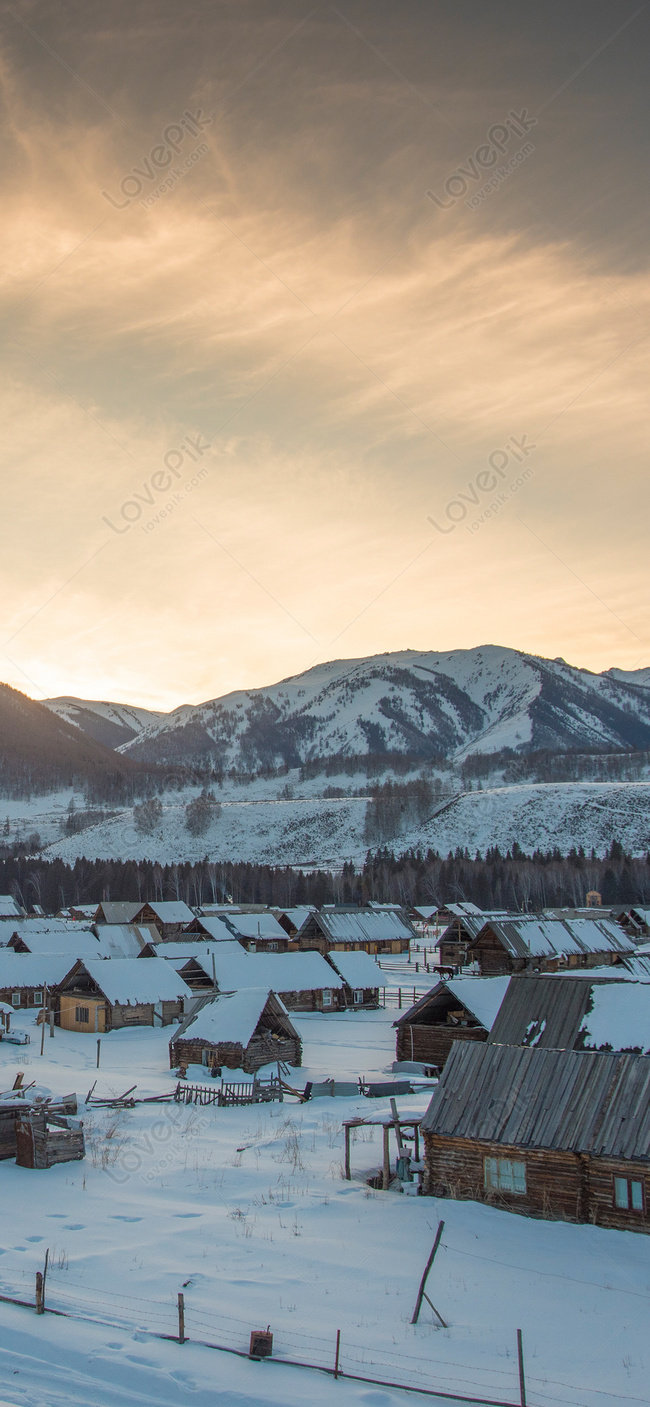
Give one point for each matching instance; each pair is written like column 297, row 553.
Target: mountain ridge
column 423, row 704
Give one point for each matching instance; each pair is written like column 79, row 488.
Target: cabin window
column 504, row 1175
column 358, row 998
column 628, row 1194
column 327, row 997
column 272, row 947
column 15, row 998
column 82, row 1014
column 38, row 998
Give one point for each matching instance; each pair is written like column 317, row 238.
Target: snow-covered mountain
column 108, row 723
column 415, row 702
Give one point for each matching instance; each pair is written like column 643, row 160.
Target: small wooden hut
column 107, row 995
column 458, row 1009
column 242, row 1031
column 43, row 1139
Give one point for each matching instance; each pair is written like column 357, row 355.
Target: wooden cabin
column 102, row 996
column 461, row 1008
column 460, row 933
column 584, row 1011
column 116, row 911
column 259, row 932
column 560, row 1134
column 242, row 1031
column 362, row 978
column 538, row 944
column 169, row 916
column 13, row 1110
column 25, row 978
column 304, row 981
column 344, row 929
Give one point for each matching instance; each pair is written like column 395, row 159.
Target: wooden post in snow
column 43, row 1025
column 39, row 1292
column 181, row 1318
column 385, row 1182
column 348, row 1175
column 338, row 1350
column 421, row 1294
column 52, row 1022
column 99, row 1044
column 522, row 1380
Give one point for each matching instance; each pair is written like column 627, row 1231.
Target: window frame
column 629, row 1182
column 82, row 1015
column 327, row 996
column 15, row 999
column 495, row 1167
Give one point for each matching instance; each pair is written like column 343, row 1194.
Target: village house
column 242, row 1031
column 304, row 981
column 97, row 996
column 362, row 977
column 126, row 940
column 258, row 931
column 458, row 1009
column 116, row 911
column 460, row 934
column 291, row 920
column 532, row 943
column 51, row 936
column 561, row 1134
column 584, row 1011
column 169, row 916
column 26, row 978
column 9, row 908
column 353, row 929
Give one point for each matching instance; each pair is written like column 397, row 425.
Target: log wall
column 560, row 1186
column 432, row 1044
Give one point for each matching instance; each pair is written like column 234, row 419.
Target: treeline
column 512, row 881
column 543, row 765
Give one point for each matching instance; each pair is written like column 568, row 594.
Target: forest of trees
column 511, row 881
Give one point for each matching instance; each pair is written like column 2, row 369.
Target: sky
column 325, row 333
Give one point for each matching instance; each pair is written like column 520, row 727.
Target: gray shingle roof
column 578, row 1101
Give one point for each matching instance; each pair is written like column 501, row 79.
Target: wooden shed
column 44, row 1138
column 362, row 978
column 108, row 995
column 461, row 1008
column 26, row 977
column 561, row 1134
column 242, row 1031
column 169, row 916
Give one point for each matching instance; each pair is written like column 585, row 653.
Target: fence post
column 338, row 1347
column 181, row 1318
column 399, row 998
column 99, row 1044
column 39, row 1292
column 522, row 1380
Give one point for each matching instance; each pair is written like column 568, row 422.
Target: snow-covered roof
column 8, row 907
column 299, row 914
column 619, row 1019
column 358, row 970
column 364, row 926
column 131, row 981
column 32, row 969
column 236, row 969
column 254, row 925
column 77, row 941
column 218, row 930
column 480, row 995
column 122, row 940
column 117, row 911
column 170, row 910
column 539, row 937
column 231, row 1018
column 462, row 910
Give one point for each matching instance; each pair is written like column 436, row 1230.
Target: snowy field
column 315, row 831
column 247, row 1213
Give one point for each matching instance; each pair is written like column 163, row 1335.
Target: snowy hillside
column 327, row 832
column 421, row 703
column 109, row 723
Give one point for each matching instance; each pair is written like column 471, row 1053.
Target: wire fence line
column 434, row 1376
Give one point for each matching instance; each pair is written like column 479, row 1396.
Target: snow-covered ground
column 315, row 831
column 246, row 1212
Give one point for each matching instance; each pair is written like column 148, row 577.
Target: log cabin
column 461, row 1008
column 25, row 978
column 356, row 930
column 304, row 981
column 242, row 1031
column 169, row 916
column 537, row 944
column 97, row 996
column 362, row 978
column 559, row 1134
column 259, row 932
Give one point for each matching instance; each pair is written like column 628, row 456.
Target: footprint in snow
column 75, row 1226
column 121, row 1218
column 34, row 1238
